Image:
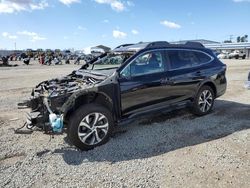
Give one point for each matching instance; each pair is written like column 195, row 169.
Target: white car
column 237, row 54
column 223, row 55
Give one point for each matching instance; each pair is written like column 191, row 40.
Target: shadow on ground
column 164, row 133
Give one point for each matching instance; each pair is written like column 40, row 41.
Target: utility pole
column 15, row 45
column 231, row 37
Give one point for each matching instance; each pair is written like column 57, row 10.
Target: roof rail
column 194, row 44
column 158, row 44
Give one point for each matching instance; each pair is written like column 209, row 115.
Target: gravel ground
column 173, row 149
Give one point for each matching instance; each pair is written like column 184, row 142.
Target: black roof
column 157, row 44
column 202, row 41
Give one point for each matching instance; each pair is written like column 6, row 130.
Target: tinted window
column 147, row 63
column 180, row 59
column 202, row 58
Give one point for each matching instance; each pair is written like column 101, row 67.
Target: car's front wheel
column 204, row 101
column 90, row 126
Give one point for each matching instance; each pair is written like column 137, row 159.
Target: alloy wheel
column 93, row 128
column 205, row 101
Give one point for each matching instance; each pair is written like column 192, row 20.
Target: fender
column 70, row 103
column 71, row 100
column 209, row 82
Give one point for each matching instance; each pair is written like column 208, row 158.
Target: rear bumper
column 221, row 89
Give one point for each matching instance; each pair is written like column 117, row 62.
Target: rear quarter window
column 180, row 59
column 202, row 58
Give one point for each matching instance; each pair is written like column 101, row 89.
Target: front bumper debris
column 34, row 118
column 41, row 116
column 56, row 122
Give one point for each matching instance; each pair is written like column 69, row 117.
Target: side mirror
column 125, row 73
column 124, row 77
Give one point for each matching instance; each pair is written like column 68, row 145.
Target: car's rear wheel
column 90, row 126
column 204, row 101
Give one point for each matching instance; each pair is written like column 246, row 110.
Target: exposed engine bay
column 77, row 80
column 48, row 97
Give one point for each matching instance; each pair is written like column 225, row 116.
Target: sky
column 80, row 24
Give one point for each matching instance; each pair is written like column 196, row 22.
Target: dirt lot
column 169, row 150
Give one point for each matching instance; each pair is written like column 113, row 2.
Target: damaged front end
column 48, row 97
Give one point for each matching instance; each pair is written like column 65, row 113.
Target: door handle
column 198, row 73
column 167, row 81
column 170, row 82
column 164, row 80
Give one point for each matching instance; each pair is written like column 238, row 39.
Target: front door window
column 148, row 63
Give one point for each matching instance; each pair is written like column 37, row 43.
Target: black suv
column 119, row 86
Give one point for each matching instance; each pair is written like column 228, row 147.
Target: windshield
column 111, row 60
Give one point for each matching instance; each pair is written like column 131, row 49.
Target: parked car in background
column 124, row 84
column 237, row 55
column 223, row 55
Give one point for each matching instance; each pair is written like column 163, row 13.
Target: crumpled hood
column 75, row 81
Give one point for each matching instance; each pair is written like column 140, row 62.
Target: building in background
column 230, row 47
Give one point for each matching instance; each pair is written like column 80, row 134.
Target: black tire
column 243, row 57
column 197, row 107
column 79, row 116
column 236, row 57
